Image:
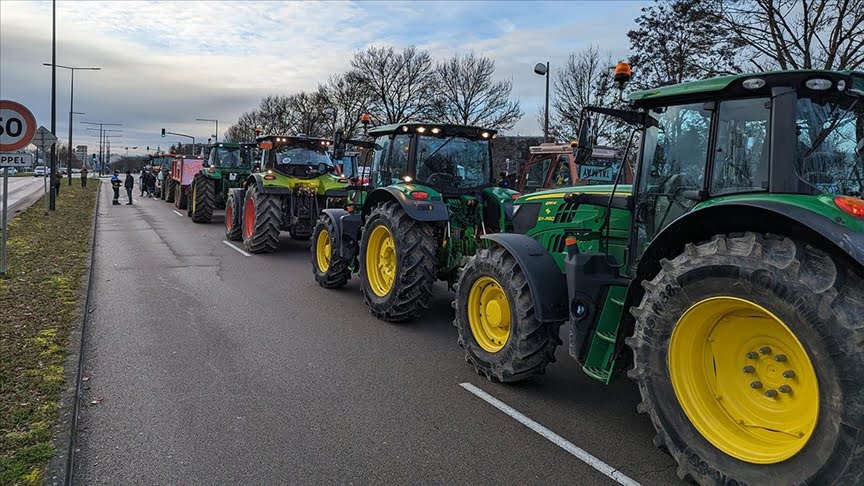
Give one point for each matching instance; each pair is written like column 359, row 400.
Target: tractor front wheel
column 747, row 353
column 329, row 267
column 262, row 217
column 397, row 263
column 495, row 319
column 233, row 229
column 203, row 199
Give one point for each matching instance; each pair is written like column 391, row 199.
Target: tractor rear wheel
column 495, row 318
column 262, row 217
column 397, row 263
column 203, row 199
column 747, row 353
column 233, row 229
column 181, row 195
column 166, row 193
column 330, row 269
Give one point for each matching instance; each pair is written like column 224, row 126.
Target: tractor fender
column 258, row 182
column 742, row 216
column 346, row 230
column 419, row 210
column 547, row 283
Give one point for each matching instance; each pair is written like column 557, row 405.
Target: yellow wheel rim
column 194, row 196
column 381, row 261
column 744, row 380
column 489, row 314
column 322, row 251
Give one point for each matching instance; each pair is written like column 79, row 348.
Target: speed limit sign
column 17, row 126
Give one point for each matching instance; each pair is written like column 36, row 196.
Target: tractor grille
column 566, row 212
column 557, row 243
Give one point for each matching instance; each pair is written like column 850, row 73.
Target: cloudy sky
column 164, row 64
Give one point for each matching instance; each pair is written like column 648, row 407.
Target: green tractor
column 227, row 167
column 728, row 279
column 428, row 199
column 293, row 182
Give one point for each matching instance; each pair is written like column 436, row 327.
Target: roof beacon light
column 485, row 134
column 818, row 84
column 365, row 119
column 623, row 73
column 753, row 83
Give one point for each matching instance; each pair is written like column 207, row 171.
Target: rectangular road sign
column 15, row 160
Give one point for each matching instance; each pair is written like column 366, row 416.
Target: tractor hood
column 559, row 193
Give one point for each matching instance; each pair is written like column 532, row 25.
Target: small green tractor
column 228, row 166
column 294, row 180
column 728, row 279
column 428, row 198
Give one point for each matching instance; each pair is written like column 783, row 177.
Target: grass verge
column 39, row 307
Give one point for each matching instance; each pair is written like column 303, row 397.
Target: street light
column 543, row 70
column 216, row 134
column 71, row 107
column 101, row 132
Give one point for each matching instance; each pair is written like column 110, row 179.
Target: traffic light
column 93, row 158
column 163, row 133
column 148, row 148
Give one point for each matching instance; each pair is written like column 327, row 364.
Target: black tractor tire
column 263, row 236
column 168, row 191
column 818, row 296
column 181, row 195
column 203, row 199
column 416, row 249
column 337, row 274
column 233, row 226
column 531, row 344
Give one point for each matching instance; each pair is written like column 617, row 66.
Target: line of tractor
column 716, row 257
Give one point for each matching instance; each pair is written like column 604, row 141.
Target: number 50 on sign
column 17, row 126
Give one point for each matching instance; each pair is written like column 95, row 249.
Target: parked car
column 40, row 171
column 11, row 171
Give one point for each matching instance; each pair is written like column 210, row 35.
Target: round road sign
column 17, row 126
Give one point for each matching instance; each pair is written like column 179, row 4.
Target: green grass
column 47, row 258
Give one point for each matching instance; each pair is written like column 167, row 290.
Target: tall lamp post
column 216, row 133
column 71, row 108
column 543, row 70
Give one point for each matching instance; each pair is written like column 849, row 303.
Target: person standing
column 130, row 184
column 142, row 180
column 57, row 180
column 83, row 176
column 115, row 184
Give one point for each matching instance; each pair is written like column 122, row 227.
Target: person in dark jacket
column 84, row 172
column 129, row 183
column 115, row 184
column 142, row 181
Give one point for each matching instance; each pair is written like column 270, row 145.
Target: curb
column 59, row 470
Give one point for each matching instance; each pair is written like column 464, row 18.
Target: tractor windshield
column 294, row 155
column 453, row 162
column 233, row 157
column 829, row 153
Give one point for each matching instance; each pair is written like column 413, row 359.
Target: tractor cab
column 237, row 156
column 298, row 157
column 553, row 165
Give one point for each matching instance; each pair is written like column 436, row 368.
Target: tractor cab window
column 230, row 158
column 535, row 174
column 294, row 155
column 379, row 161
column 453, row 162
column 829, row 150
column 673, row 163
column 398, row 165
column 561, row 177
column 741, row 152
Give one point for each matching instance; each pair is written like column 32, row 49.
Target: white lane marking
column 556, row 439
column 178, row 213
column 235, row 248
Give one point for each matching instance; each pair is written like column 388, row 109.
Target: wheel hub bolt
column 780, row 358
column 755, row 385
column 765, row 350
column 785, row 389
column 752, row 355
column 788, row 374
column 749, row 369
column 770, row 393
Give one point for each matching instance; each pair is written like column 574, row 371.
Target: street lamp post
column 71, row 109
column 216, row 133
column 543, row 70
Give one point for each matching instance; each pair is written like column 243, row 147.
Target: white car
column 40, row 171
column 11, row 171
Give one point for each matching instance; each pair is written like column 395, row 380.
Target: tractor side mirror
column 585, row 143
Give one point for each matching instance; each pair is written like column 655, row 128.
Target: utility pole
column 101, row 137
column 52, row 196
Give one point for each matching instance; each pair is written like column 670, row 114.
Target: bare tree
column 306, row 114
column 586, row 79
column 465, row 94
column 795, row 34
column 400, row 83
column 349, row 98
column 680, row 40
column 244, row 129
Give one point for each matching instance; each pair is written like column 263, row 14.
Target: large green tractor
column 428, row 200
column 728, row 279
column 228, row 166
column 293, row 182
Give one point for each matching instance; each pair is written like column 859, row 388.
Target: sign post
column 17, row 127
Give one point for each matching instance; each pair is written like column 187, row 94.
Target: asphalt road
column 205, row 366
column 22, row 192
